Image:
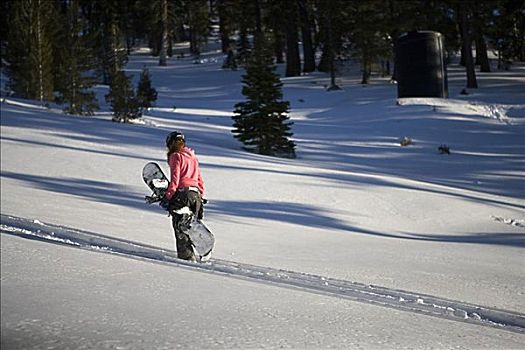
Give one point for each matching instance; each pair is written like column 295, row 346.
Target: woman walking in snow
column 186, row 188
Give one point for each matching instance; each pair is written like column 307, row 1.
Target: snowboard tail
column 202, row 240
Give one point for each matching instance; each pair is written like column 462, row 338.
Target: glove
column 165, row 204
column 204, row 201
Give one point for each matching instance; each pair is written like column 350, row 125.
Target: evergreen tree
column 146, row 94
column 368, row 35
column 29, row 51
column 199, row 25
column 76, row 61
column 275, row 22
column 226, row 13
column 122, row 98
column 261, row 123
column 158, row 19
column 246, row 13
column 5, row 11
column 508, row 32
column 105, row 22
column 17, row 49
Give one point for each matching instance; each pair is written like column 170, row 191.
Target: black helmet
column 173, row 136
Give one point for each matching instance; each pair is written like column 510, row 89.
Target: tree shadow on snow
column 81, row 149
column 358, row 176
column 91, row 190
column 312, row 216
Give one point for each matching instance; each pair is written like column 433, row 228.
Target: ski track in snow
column 380, row 296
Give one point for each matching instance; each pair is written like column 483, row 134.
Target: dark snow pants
column 181, row 222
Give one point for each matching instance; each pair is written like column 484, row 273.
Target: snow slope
column 354, row 206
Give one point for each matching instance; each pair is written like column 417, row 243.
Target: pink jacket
column 185, row 172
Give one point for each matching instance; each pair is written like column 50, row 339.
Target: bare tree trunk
column 224, row 26
column 278, row 47
column 467, row 47
column 40, row 54
column 394, row 33
column 293, row 60
column 164, row 39
column 114, row 48
column 365, row 78
column 482, row 57
column 170, row 44
column 258, row 20
column 306, row 33
column 331, row 50
column 462, row 55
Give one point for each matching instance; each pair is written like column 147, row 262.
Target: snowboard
column 202, row 239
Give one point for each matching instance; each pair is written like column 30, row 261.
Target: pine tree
column 508, row 32
column 226, row 14
column 122, row 98
column 246, row 13
column 76, row 61
column 17, row 49
column 261, row 123
column 156, row 19
column 368, row 35
column 275, row 23
column 105, row 24
column 5, row 12
column 198, row 21
column 146, row 94
column 29, row 49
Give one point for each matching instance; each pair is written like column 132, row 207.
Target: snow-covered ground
column 354, row 206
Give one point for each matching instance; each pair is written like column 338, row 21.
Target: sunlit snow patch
column 453, row 106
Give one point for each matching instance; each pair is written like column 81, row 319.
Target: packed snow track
column 385, row 297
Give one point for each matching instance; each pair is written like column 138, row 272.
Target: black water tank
column 420, row 66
